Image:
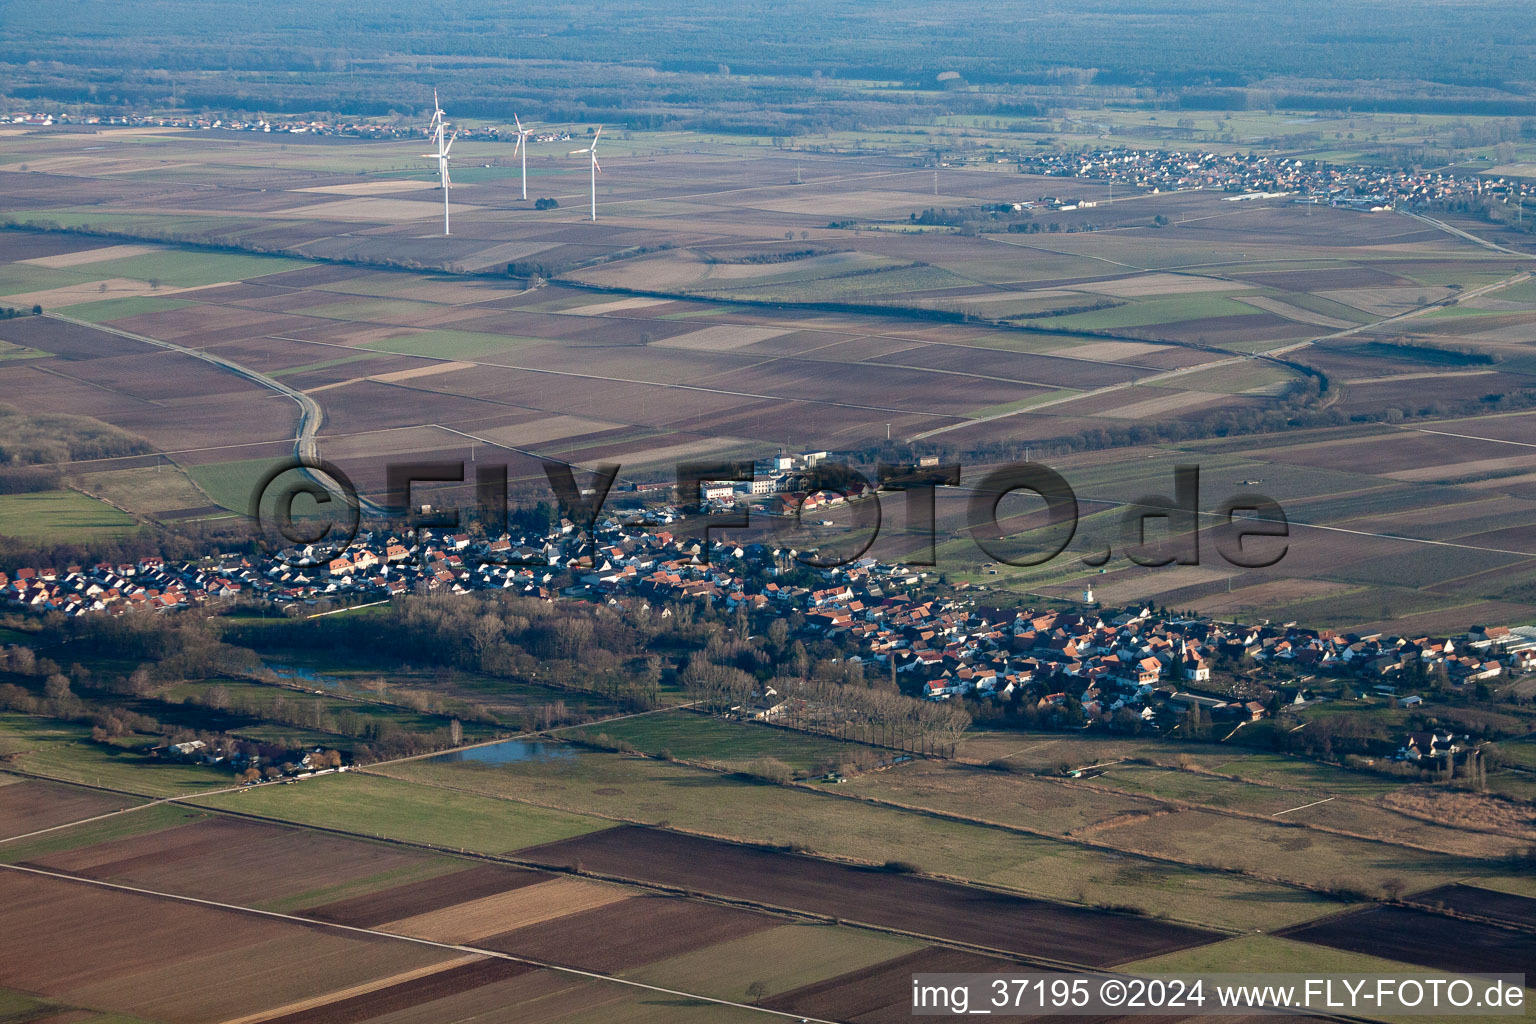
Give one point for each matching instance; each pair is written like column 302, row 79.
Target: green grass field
column 11, row 351
column 230, row 484
column 324, row 364
column 1168, row 309
column 116, row 309
column 147, row 490
column 21, row 1008
column 60, row 517
column 16, row 278
column 121, row 826
column 63, row 750
column 429, row 867
column 698, row 800
column 697, row 737
column 377, row 806
column 182, row 269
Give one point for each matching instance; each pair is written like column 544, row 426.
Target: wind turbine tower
column 522, row 145
column 439, row 132
column 592, row 151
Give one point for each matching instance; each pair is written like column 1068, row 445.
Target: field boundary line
column 909, row 809
column 1303, row 807
column 1020, row 829
column 360, row 989
column 1179, row 803
column 449, row 946
column 311, row 414
column 701, row 896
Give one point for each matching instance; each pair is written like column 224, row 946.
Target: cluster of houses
column 148, row 583
column 1256, row 176
column 1107, row 664
column 241, row 757
column 291, row 126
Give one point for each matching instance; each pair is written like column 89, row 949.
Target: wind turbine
column 522, row 145
column 592, row 149
column 439, row 129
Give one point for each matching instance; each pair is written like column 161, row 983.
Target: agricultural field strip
column 227, row 447
column 736, row 901
column 915, row 809
column 1283, row 349
column 1467, row 437
column 1468, row 236
column 842, row 333
column 1112, row 503
column 626, row 380
column 1107, row 389
column 310, row 414
column 857, row 333
column 447, row 946
column 82, row 821
column 1470, row 293
column 363, row 988
column 1152, row 798
column 750, row 188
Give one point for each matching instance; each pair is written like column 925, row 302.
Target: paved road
column 1468, row 236
column 1470, row 293
column 311, row 416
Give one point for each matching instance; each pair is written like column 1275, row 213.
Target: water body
column 509, row 752
column 308, row 677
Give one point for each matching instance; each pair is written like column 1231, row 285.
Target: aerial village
column 1131, row 668
column 1253, row 176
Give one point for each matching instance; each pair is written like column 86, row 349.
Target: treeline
column 572, row 645
column 831, row 696
column 755, row 61
column 1437, row 352
column 378, row 736
column 30, row 480
column 167, row 651
column 775, row 257
column 29, row 440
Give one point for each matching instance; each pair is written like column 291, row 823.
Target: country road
column 311, row 416
column 306, row 447
column 1470, row 293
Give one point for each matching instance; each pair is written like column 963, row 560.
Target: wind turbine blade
column 596, row 134
column 518, row 123
column 450, row 144
column 596, row 164
column 574, row 152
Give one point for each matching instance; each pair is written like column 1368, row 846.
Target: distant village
column 1252, row 176
column 274, row 126
column 939, row 643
